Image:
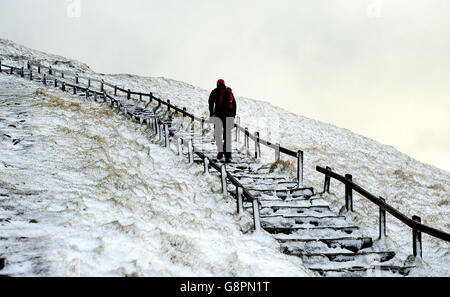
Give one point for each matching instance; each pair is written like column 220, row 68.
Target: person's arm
column 211, row 104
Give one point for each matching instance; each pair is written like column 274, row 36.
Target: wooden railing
column 414, row 223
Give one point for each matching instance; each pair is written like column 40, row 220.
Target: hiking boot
column 219, row 156
column 228, row 158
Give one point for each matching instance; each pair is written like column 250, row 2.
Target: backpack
column 226, row 99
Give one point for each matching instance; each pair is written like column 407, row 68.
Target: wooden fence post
column 129, row 94
column 326, row 185
column 21, row 72
column 160, row 131
column 223, row 176
column 240, row 203
column 203, row 125
column 257, row 146
column 191, row 151
column 50, row 70
column 102, row 86
column 31, row 75
column 256, row 218
column 63, row 87
column 168, row 105
column 39, row 69
column 206, row 165
column 155, row 123
column 56, row 83
column 150, row 123
column 44, row 79
column 238, row 122
column 115, row 90
column 89, row 83
column 166, row 134
column 277, row 152
column 348, row 194
column 87, row 93
column 246, row 144
column 184, row 112
column 180, row 146
column 417, row 239
column 151, row 97
column 300, row 169
column 0, row 65
column 382, row 222
column 77, row 81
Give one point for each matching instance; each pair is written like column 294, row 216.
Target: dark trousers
column 222, row 135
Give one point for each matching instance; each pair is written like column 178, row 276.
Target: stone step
column 293, row 203
column 361, row 271
column 264, row 187
column 283, row 194
column 360, row 258
column 259, row 180
column 231, row 165
column 310, row 245
column 213, row 153
column 296, row 210
column 282, row 186
column 300, row 230
column 264, row 184
column 302, row 221
column 263, row 176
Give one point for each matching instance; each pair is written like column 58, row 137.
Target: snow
column 412, row 187
column 105, row 200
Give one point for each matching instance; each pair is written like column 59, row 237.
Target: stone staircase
column 301, row 220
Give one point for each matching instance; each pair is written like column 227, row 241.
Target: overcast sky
column 378, row 68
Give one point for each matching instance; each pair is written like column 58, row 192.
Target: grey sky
column 378, row 68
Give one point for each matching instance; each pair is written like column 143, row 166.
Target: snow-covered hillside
column 85, row 192
column 410, row 186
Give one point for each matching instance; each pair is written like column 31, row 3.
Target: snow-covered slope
column 85, row 192
column 412, row 187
